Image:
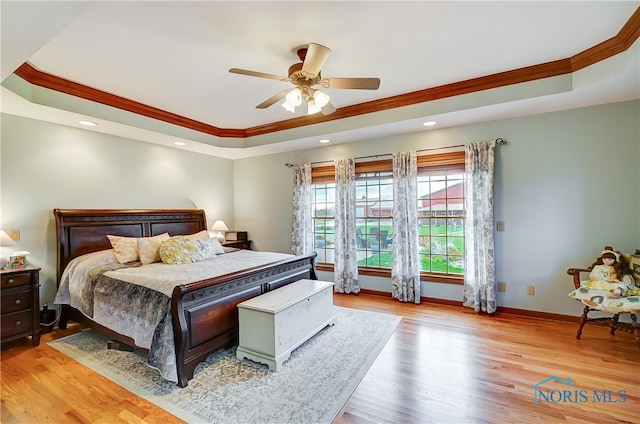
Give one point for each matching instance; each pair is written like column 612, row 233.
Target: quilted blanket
column 602, row 300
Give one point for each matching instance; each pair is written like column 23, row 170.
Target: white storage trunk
column 272, row 325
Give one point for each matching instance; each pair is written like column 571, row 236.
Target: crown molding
column 608, row 48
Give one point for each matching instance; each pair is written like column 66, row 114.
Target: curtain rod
column 499, row 141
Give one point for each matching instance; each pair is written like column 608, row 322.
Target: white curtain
column 302, row 231
column 479, row 260
column 345, row 266
column 405, row 268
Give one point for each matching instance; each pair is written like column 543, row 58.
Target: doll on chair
column 614, row 275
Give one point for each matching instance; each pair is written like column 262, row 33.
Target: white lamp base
column 220, row 237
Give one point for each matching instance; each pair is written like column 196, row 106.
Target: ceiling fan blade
column 328, row 109
column 352, row 83
column 314, row 60
column 273, row 99
column 258, row 74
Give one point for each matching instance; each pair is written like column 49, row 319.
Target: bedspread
column 135, row 300
column 163, row 278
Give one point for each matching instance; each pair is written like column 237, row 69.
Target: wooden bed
column 204, row 313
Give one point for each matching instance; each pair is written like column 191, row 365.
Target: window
column 374, row 213
column 440, row 216
column 323, row 209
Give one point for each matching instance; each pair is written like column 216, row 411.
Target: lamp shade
column 5, row 240
column 219, row 226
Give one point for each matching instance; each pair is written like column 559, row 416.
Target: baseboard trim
column 501, row 309
column 538, row 314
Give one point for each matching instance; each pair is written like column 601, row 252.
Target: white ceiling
column 175, row 56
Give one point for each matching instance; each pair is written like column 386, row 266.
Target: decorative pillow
column 179, row 250
column 125, row 248
column 149, row 248
column 208, row 248
column 204, row 234
column 217, row 247
column 184, row 250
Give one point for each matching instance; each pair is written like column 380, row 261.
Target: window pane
column 386, row 208
column 425, row 264
column 372, row 192
column 456, row 265
column 386, row 191
column 441, row 214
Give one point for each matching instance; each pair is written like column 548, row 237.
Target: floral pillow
column 179, row 250
column 209, row 248
column 184, row 250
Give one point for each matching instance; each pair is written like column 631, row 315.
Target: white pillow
column 199, row 235
column 208, row 248
column 149, row 248
column 126, row 248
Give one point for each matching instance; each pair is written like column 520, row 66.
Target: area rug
column 311, row 387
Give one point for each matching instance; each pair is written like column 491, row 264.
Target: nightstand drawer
column 16, row 323
column 17, row 301
column 20, row 303
column 14, row 280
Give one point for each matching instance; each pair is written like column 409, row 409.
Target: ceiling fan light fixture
column 288, row 107
column 292, row 100
column 305, row 75
column 294, row 97
column 312, row 107
column 321, row 99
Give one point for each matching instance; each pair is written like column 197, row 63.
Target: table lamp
column 5, row 240
column 219, row 226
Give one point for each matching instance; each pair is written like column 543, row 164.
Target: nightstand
column 20, row 313
column 238, row 244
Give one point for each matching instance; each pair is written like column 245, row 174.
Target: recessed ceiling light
column 87, row 123
column 325, row 141
column 179, row 143
column 429, row 123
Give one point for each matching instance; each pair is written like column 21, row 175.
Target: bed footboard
column 205, row 316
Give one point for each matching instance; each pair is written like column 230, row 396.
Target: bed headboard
column 81, row 231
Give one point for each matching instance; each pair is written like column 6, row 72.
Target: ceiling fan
column 305, row 75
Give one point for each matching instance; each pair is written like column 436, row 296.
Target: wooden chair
column 613, row 321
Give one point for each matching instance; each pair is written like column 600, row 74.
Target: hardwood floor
column 444, row 364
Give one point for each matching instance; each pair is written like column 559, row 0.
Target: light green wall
column 566, row 184
column 46, row 166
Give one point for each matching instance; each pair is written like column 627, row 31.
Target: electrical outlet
column 502, row 286
column 531, row 290
column 500, row 226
